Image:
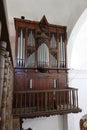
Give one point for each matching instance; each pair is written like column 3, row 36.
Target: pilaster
column 2, row 64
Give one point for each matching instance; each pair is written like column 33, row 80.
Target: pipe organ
column 40, row 45
column 41, row 72
column 40, row 48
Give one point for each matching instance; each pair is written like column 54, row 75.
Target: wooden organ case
column 41, row 74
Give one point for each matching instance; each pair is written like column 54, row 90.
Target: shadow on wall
column 27, row 129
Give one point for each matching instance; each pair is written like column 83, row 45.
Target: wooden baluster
column 38, row 101
column 33, row 101
column 21, row 102
column 25, row 102
column 56, row 100
column 50, row 101
column 29, row 99
column 16, row 100
column 30, row 102
column 60, row 99
column 64, row 103
column 45, row 101
column 77, row 98
column 67, row 97
column 70, row 94
column 42, row 101
column 73, row 97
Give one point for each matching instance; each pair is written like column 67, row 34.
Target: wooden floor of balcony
column 36, row 103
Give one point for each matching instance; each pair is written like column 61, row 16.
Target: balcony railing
column 35, row 103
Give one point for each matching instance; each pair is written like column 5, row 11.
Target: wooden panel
column 43, row 83
column 62, row 80
column 20, row 81
column 39, row 81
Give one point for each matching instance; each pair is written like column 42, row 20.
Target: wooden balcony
column 36, row 103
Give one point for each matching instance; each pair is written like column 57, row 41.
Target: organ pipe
column 21, row 49
column 43, row 56
column 21, row 46
column 62, row 52
column 61, row 57
column 18, row 55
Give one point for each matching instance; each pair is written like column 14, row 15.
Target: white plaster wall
column 78, row 79
column 77, row 43
column 44, row 123
column 77, row 52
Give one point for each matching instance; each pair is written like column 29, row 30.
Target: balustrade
column 45, row 102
